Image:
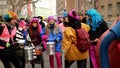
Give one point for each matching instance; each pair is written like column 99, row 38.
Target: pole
column 63, row 59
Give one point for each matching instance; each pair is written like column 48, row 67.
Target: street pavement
column 46, row 63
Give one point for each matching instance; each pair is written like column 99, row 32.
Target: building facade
column 110, row 9
column 79, row 5
column 60, row 6
column 67, row 5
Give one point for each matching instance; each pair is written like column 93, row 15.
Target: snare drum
column 28, row 53
column 50, row 49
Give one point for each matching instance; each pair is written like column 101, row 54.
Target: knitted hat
column 51, row 18
column 10, row 15
column 73, row 14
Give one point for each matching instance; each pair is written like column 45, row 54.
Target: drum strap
column 29, row 39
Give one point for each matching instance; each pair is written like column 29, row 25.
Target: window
column 118, row 8
column 102, row 10
column 109, row 9
column 89, row 1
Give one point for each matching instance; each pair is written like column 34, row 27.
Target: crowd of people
column 36, row 33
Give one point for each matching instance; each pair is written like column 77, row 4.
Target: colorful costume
column 53, row 34
column 69, row 42
column 36, row 40
column 7, row 41
column 97, row 27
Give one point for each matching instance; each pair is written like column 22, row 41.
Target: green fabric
column 7, row 44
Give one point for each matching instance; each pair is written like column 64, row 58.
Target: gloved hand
column 7, row 44
column 56, row 40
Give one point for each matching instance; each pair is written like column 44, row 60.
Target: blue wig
column 96, row 18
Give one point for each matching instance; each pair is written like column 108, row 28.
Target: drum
column 50, row 49
column 38, row 50
column 28, row 53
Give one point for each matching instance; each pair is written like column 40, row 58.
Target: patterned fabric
column 19, row 35
column 10, row 15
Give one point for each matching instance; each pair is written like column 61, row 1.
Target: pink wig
column 37, row 21
column 22, row 23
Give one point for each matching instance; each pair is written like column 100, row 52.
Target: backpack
column 83, row 40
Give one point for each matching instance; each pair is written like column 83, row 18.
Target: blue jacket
column 54, row 37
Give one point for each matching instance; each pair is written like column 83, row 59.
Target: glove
column 7, row 44
column 56, row 40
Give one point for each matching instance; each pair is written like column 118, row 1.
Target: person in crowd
column 81, row 17
column 7, row 41
column 1, row 20
column 64, row 24
column 41, row 21
column 35, row 39
column 64, row 13
column 69, row 42
column 27, row 20
column 97, row 27
column 61, row 25
column 66, row 21
column 45, row 21
column 53, row 34
column 83, row 20
column 21, row 42
column 60, row 20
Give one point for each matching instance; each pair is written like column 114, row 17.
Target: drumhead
column 27, row 47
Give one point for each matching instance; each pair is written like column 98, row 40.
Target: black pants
column 8, row 59
column 22, row 59
column 80, row 63
column 38, row 60
column 8, row 56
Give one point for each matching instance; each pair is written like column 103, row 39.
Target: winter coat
column 52, row 37
column 68, row 45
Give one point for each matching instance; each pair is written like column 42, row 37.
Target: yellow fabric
column 68, row 45
column 85, row 26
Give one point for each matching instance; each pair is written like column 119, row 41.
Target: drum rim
column 50, row 42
